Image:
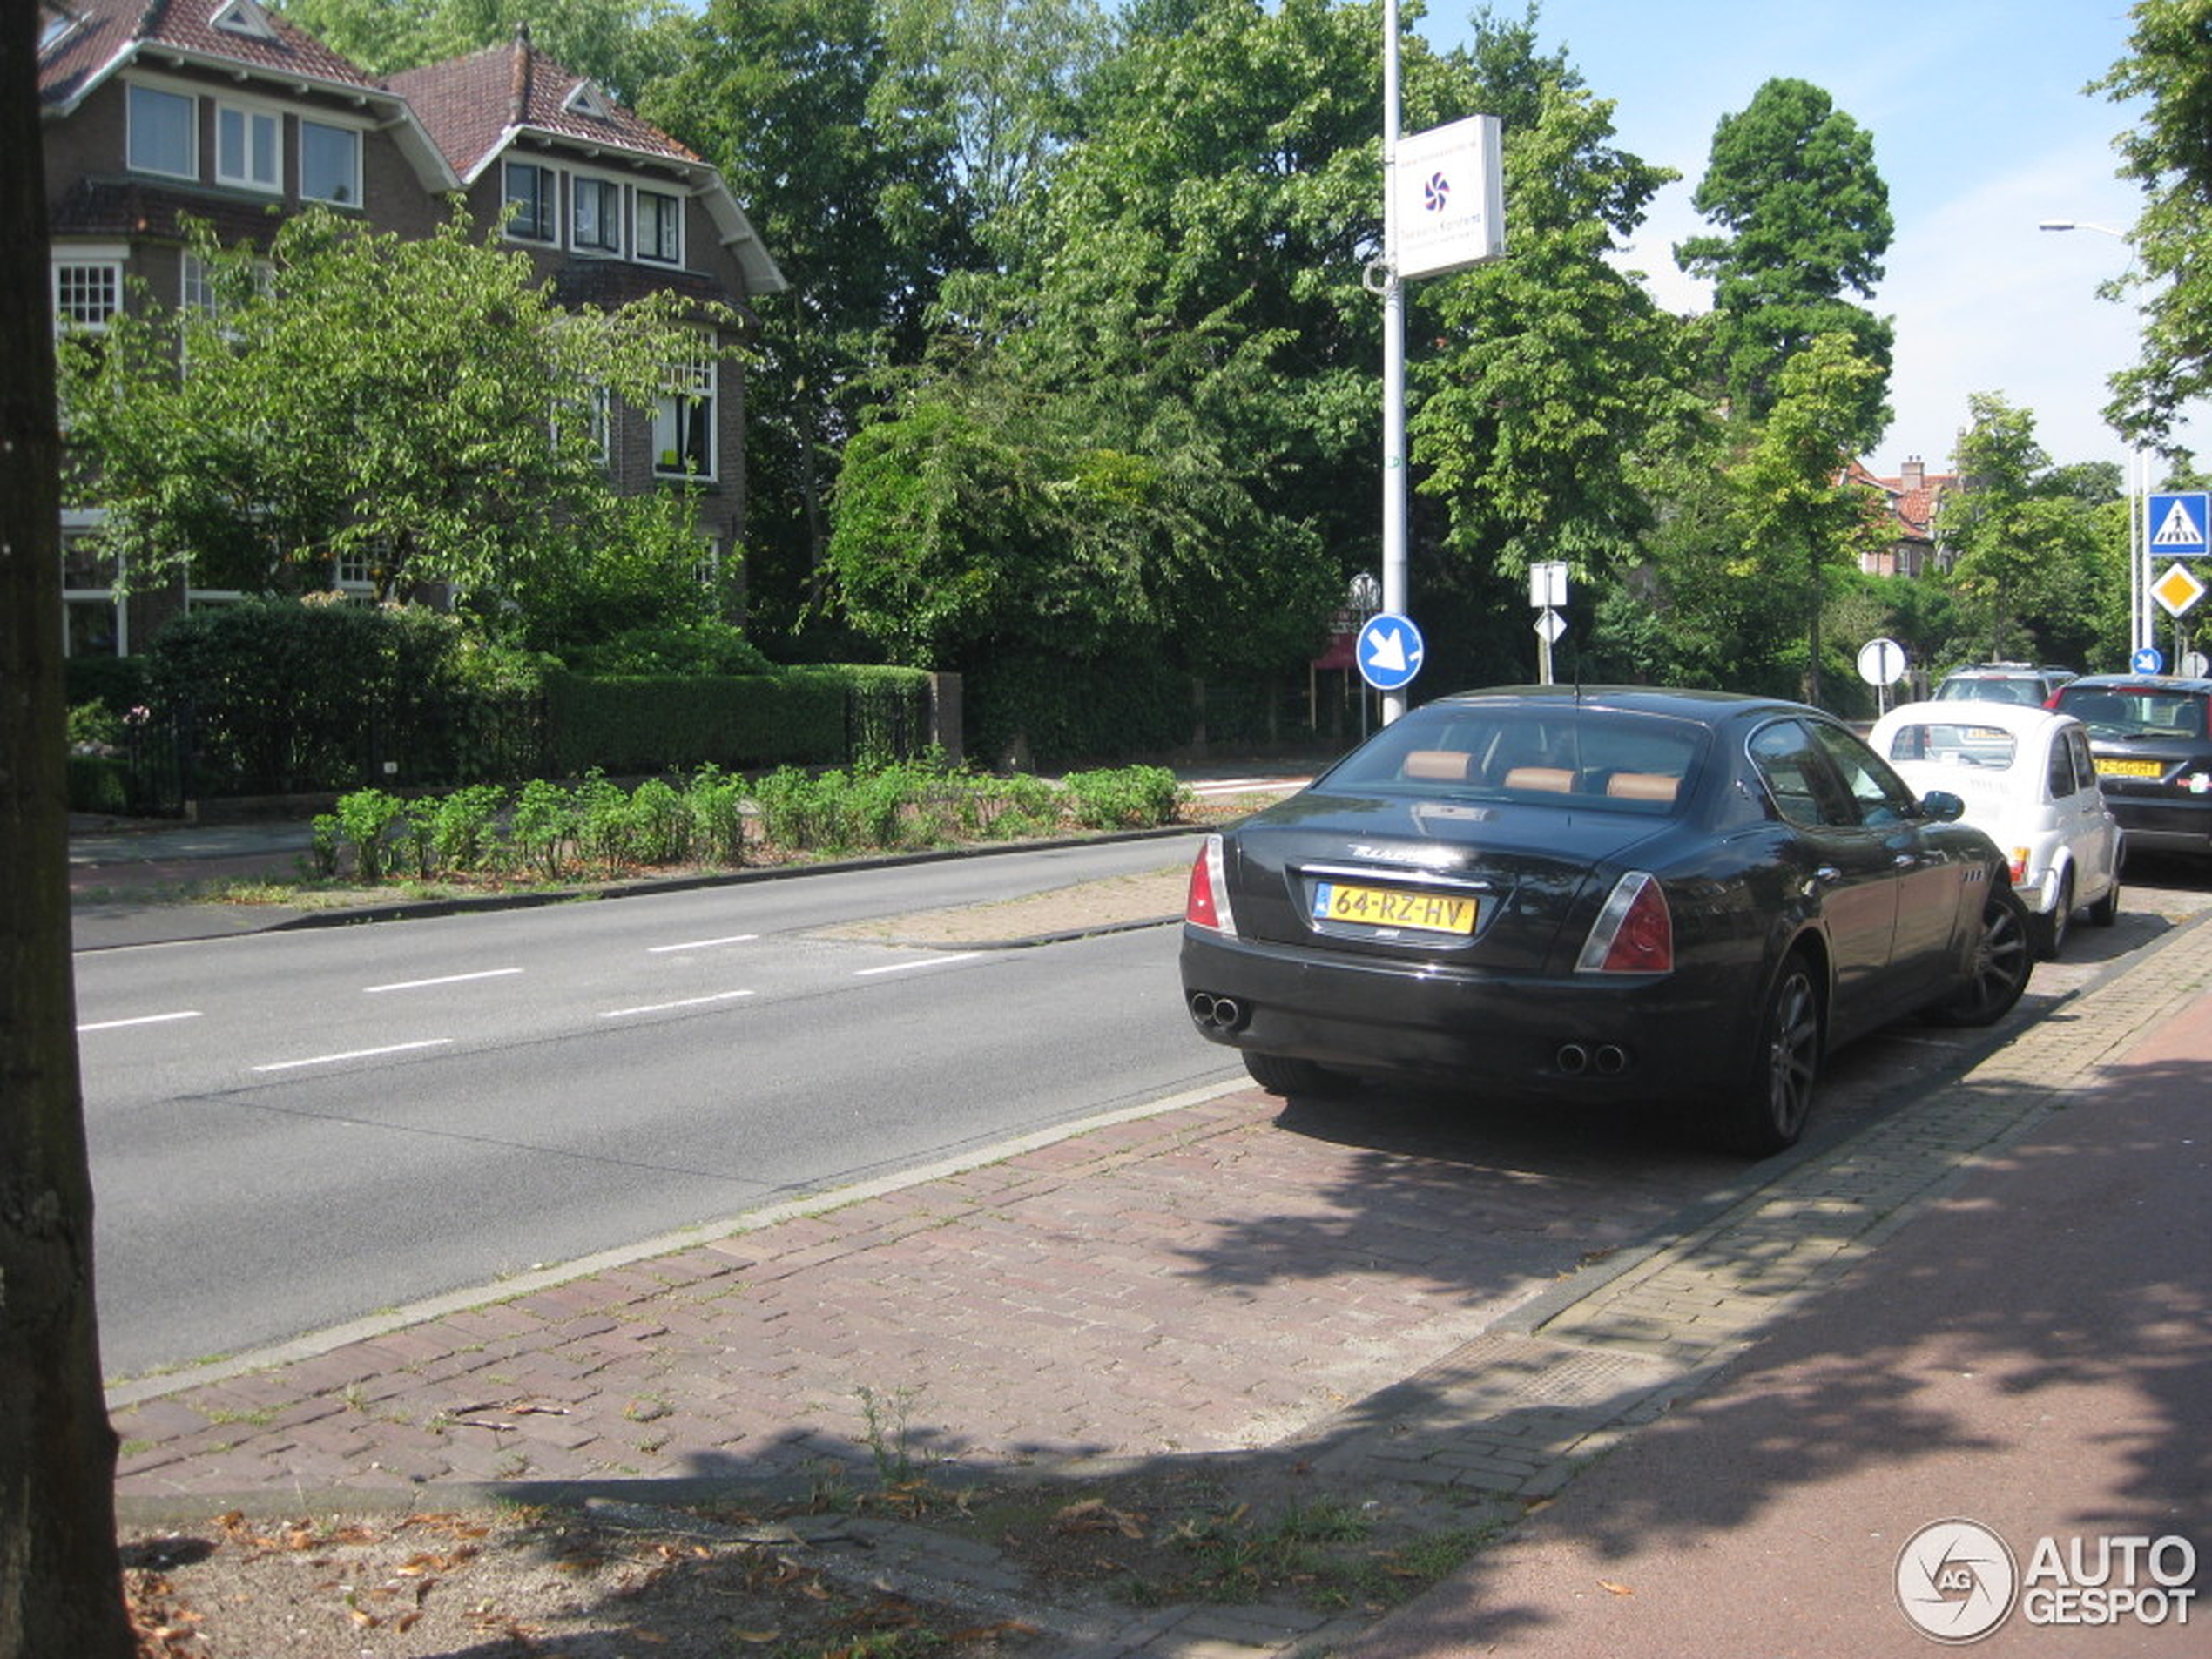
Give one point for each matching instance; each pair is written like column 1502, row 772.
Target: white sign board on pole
column 1449, row 189
column 1547, row 583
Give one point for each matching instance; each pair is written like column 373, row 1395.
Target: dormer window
column 244, row 17
column 588, row 99
column 59, row 26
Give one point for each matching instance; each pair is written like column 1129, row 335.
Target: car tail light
column 1208, row 904
column 1634, row 933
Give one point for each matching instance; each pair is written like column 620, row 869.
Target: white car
column 2030, row 786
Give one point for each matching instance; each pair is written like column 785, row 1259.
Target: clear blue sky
column 1980, row 130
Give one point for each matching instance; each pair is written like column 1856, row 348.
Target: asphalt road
column 290, row 1130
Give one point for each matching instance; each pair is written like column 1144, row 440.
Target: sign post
column 1547, row 592
column 1442, row 211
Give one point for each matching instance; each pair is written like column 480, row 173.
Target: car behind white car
column 2029, row 784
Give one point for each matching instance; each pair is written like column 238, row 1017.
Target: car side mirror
column 1942, row 806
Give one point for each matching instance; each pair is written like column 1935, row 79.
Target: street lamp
column 2139, row 621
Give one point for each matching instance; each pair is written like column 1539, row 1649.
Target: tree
column 1791, row 181
column 2033, row 567
column 354, row 395
column 2169, row 153
column 1797, row 523
column 60, row 1581
column 625, row 45
column 1553, row 379
column 855, row 191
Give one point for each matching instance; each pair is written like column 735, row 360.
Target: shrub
column 1124, row 797
column 544, row 826
column 98, row 783
column 661, row 831
column 717, row 803
column 366, row 818
column 465, row 825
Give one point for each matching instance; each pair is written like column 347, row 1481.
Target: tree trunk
column 60, row 1582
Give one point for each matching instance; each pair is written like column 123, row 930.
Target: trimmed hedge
column 649, row 723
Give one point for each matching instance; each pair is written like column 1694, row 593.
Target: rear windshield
column 2135, row 712
column 1992, row 688
column 1631, row 763
column 1952, row 743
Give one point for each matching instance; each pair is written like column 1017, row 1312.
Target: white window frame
column 612, row 222
column 130, row 156
column 105, row 263
column 694, row 381
column 646, row 249
column 256, row 122
column 352, row 185
column 550, row 196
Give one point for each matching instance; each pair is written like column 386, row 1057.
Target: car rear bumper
column 2164, row 826
column 1587, row 1037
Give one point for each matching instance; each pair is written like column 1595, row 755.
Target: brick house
column 1910, row 500
column 225, row 112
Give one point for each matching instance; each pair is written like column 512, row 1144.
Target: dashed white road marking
column 143, row 1018
column 354, row 1053
column 445, row 979
column 926, row 961
column 663, row 1008
column 702, row 944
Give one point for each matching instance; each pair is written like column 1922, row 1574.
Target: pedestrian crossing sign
column 2178, row 524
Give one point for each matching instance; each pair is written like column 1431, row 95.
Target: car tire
column 2003, row 959
column 2051, row 930
column 1767, row 1110
column 1281, row 1075
column 2106, row 911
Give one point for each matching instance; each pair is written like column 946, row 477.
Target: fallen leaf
column 1617, row 1589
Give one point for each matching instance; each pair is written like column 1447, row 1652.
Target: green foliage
column 98, row 783
column 666, row 722
column 115, row 683
column 542, row 833
column 622, row 44
column 2165, row 146
column 2039, row 558
column 358, row 394
column 558, row 831
column 703, row 647
column 280, row 696
column 368, row 818
column 1129, row 798
column 1806, row 220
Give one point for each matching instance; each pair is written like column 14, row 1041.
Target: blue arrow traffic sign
column 2148, row 660
column 1389, row 650
column 2178, row 524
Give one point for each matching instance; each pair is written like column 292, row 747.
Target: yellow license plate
column 2130, row 768
column 1393, row 908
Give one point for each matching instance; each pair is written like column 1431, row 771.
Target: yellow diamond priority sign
column 2177, row 590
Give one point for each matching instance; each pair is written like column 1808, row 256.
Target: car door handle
column 1905, row 860
column 1827, row 872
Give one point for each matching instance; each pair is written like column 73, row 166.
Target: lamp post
column 2139, row 618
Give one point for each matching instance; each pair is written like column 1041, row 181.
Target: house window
column 163, row 133
column 330, row 164
column 87, row 291
column 534, row 194
column 196, row 288
column 91, row 604
column 660, row 227
column 683, row 418
column 354, row 569
column 596, row 215
column 247, row 143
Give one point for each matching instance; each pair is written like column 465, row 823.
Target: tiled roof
column 1913, row 508
column 471, row 104
column 134, row 207
column 109, row 29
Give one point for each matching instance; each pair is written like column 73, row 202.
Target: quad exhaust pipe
column 1221, row 1012
column 1594, row 1059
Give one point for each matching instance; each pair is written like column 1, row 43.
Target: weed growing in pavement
column 889, row 1431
